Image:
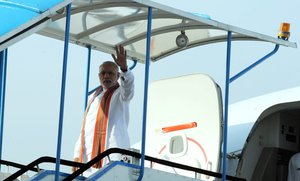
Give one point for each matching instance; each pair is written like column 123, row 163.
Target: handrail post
column 62, row 95
column 225, row 126
column 145, row 93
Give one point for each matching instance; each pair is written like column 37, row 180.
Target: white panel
column 123, row 173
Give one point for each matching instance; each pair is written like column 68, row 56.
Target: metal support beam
column 62, row 95
column 133, row 65
column 87, row 82
column 148, row 45
column 3, row 63
column 225, row 126
column 254, row 64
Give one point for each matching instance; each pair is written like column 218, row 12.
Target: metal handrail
column 17, row 165
column 83, row 167
column 36, row 162
column 148, row 158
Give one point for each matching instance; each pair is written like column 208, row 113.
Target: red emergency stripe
column 179, row 127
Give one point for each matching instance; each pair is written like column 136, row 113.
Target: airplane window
column 176, row 145
column 290, row 138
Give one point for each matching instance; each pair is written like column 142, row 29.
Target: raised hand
column 120, row 59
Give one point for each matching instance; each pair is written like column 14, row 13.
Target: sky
column 35, row 64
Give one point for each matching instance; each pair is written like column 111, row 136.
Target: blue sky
column 34, row 75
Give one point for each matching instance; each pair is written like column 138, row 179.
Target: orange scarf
column 99, row 141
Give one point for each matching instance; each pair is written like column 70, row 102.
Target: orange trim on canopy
column 179, row 127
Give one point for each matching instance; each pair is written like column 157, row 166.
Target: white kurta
column 294, row 166
column 118, row 119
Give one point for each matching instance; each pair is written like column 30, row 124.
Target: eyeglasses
column 110, row 73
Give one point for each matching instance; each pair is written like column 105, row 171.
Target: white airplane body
column 196, row 138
